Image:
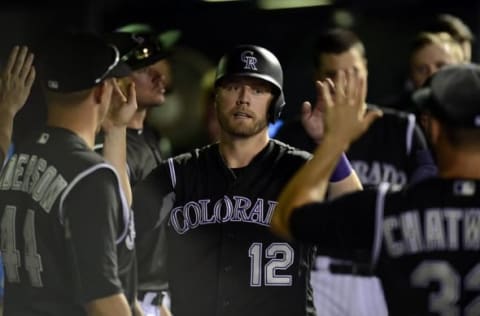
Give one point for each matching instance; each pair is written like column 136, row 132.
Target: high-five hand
column 312, row 115
column 16, row 79
column 345, row 116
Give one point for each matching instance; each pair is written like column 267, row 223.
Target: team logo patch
column 249, row 60
column 464, row 188
column 138, row 39
column 43, row 138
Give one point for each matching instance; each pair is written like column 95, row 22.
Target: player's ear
column 100, row 92
column 434, row 128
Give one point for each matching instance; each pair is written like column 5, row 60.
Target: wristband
column 342, row 170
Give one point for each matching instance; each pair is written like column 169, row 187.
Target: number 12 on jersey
column 281, row 257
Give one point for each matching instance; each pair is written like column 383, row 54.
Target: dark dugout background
column 208, row 29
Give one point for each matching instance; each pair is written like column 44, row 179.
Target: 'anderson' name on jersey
column 29, row 174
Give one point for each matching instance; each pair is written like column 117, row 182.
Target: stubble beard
column 241, row 130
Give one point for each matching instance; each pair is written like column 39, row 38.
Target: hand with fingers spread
column 312, row 116
column 345, row 116
column 312, row 121
column 344, row 121
column 16, row 79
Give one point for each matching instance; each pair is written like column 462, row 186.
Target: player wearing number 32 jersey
column 423, row 241
column 216, row 204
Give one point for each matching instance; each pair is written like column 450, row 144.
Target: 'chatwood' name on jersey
column 449, row 229
column 33, row 175
column 235, row 209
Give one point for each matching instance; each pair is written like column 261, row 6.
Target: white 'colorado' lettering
column 378, row 172
column 236, row 209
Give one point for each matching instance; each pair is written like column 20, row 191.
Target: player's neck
column 77, row 120
column 138, row 118
column 239, row 152
column 460, row 164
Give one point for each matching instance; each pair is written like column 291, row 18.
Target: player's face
column 242, row 105
column 428, row 60
column 332, row 64
column 151, row 84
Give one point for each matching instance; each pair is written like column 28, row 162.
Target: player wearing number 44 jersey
column 216, row 203
column 66, row 226
column 424, row 241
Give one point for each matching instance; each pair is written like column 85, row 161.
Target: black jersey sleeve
column 153, row 199
column 140, row 157
column 342, row 227
column 92, row 212
column 420, row 160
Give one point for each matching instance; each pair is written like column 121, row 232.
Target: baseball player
column 16, row 81
column 423, row 241
column 215, row 203
column 144, row 53
column 393, row 150
column 67, row 237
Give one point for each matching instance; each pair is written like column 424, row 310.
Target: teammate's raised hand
column 312, row 115
column 312, row 121
column 345, row 115
column 16, row 79
column 122, row 108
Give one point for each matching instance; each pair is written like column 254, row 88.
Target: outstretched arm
column 115, row 129
column 16, row 81
column 345, row 120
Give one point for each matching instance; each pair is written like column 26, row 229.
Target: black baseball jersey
column 143, row 155
column 423, row 242
column 67, row 234
column 392, row 150
column 222, row 258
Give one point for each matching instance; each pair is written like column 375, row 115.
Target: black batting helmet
column 257, row 62
column 139, row 45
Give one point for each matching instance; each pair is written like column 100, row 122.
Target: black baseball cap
column 138, row 49
column 453, row 95
column 72, row 62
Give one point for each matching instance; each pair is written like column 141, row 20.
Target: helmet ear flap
column 256, row 62
column 276, row 108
